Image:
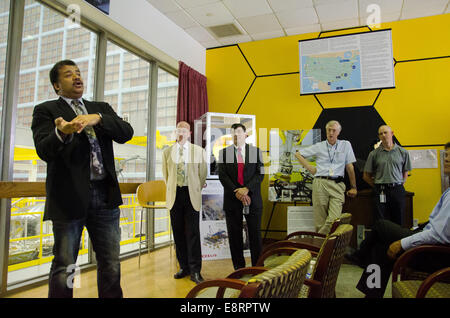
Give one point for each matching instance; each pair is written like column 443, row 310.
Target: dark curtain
column 192, row 95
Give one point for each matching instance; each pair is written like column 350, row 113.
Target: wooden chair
column 409, row 283
column 328, row 263
column 284, row 281
column 150, row 191
column 312, row 238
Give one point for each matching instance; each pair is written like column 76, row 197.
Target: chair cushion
column 211, row 292
column 275, row 260
column 282, row 279
column 409, row 288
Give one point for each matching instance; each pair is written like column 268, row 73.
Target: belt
column 390, row 185
column 335, row 179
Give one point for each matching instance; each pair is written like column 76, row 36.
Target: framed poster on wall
column 289, row 181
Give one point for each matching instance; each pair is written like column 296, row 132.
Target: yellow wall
column 418, row 109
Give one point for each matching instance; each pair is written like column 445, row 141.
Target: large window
column 126, row 90
column 47, row 38
column 165, row 136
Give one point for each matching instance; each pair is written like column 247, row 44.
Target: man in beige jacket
column 184, row 170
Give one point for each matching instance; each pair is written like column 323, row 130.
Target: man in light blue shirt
column 333, row 158
column 388, row 240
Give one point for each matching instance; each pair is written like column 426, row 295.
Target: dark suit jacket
column 253, row 176
column 68, row 165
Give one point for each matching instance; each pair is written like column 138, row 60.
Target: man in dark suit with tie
column 74, row 137
column 241, row 172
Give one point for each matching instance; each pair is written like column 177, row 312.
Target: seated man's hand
column 352, row 193
column 394, row 250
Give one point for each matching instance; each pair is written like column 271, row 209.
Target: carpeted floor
column 348, row 278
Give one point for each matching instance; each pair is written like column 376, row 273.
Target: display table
column 362, row 210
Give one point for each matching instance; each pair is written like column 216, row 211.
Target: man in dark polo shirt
column 386, row 170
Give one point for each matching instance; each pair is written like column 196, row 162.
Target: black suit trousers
column 236, row 238
column 186, row 232
column 394, row 206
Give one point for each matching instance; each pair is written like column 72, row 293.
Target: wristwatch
column 101, row 118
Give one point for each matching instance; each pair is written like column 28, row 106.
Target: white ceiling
column 265, row 19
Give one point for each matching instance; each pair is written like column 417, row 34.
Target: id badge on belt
column 382, row 195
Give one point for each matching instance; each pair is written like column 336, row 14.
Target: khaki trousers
column 327, row 198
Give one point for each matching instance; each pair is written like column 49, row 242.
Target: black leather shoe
column 197, row 278
column 181, row 273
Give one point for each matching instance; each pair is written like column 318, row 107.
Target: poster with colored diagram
column 289, row 181
column 213, row 227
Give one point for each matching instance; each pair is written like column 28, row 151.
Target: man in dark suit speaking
column 241, row 172
column 74, row 137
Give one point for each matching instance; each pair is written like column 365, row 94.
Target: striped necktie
column 97, row 169
column 181, row 175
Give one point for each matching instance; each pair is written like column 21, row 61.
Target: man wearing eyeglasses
column 333, row 158
column 184, row 170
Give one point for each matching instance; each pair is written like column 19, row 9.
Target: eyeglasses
column 182, row 131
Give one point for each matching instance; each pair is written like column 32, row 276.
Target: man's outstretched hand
column 77, row 124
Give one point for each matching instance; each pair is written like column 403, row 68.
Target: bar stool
column 150, row 191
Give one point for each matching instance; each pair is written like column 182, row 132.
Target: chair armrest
column 430, row 280
column 280, row 250
column 298, row 233
column 237, row 274
column 314, row 287
column 290, row 243
column 254, row 270
column 404, row 259
column 312, row 283
column 223, row 283
column 298, row 244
